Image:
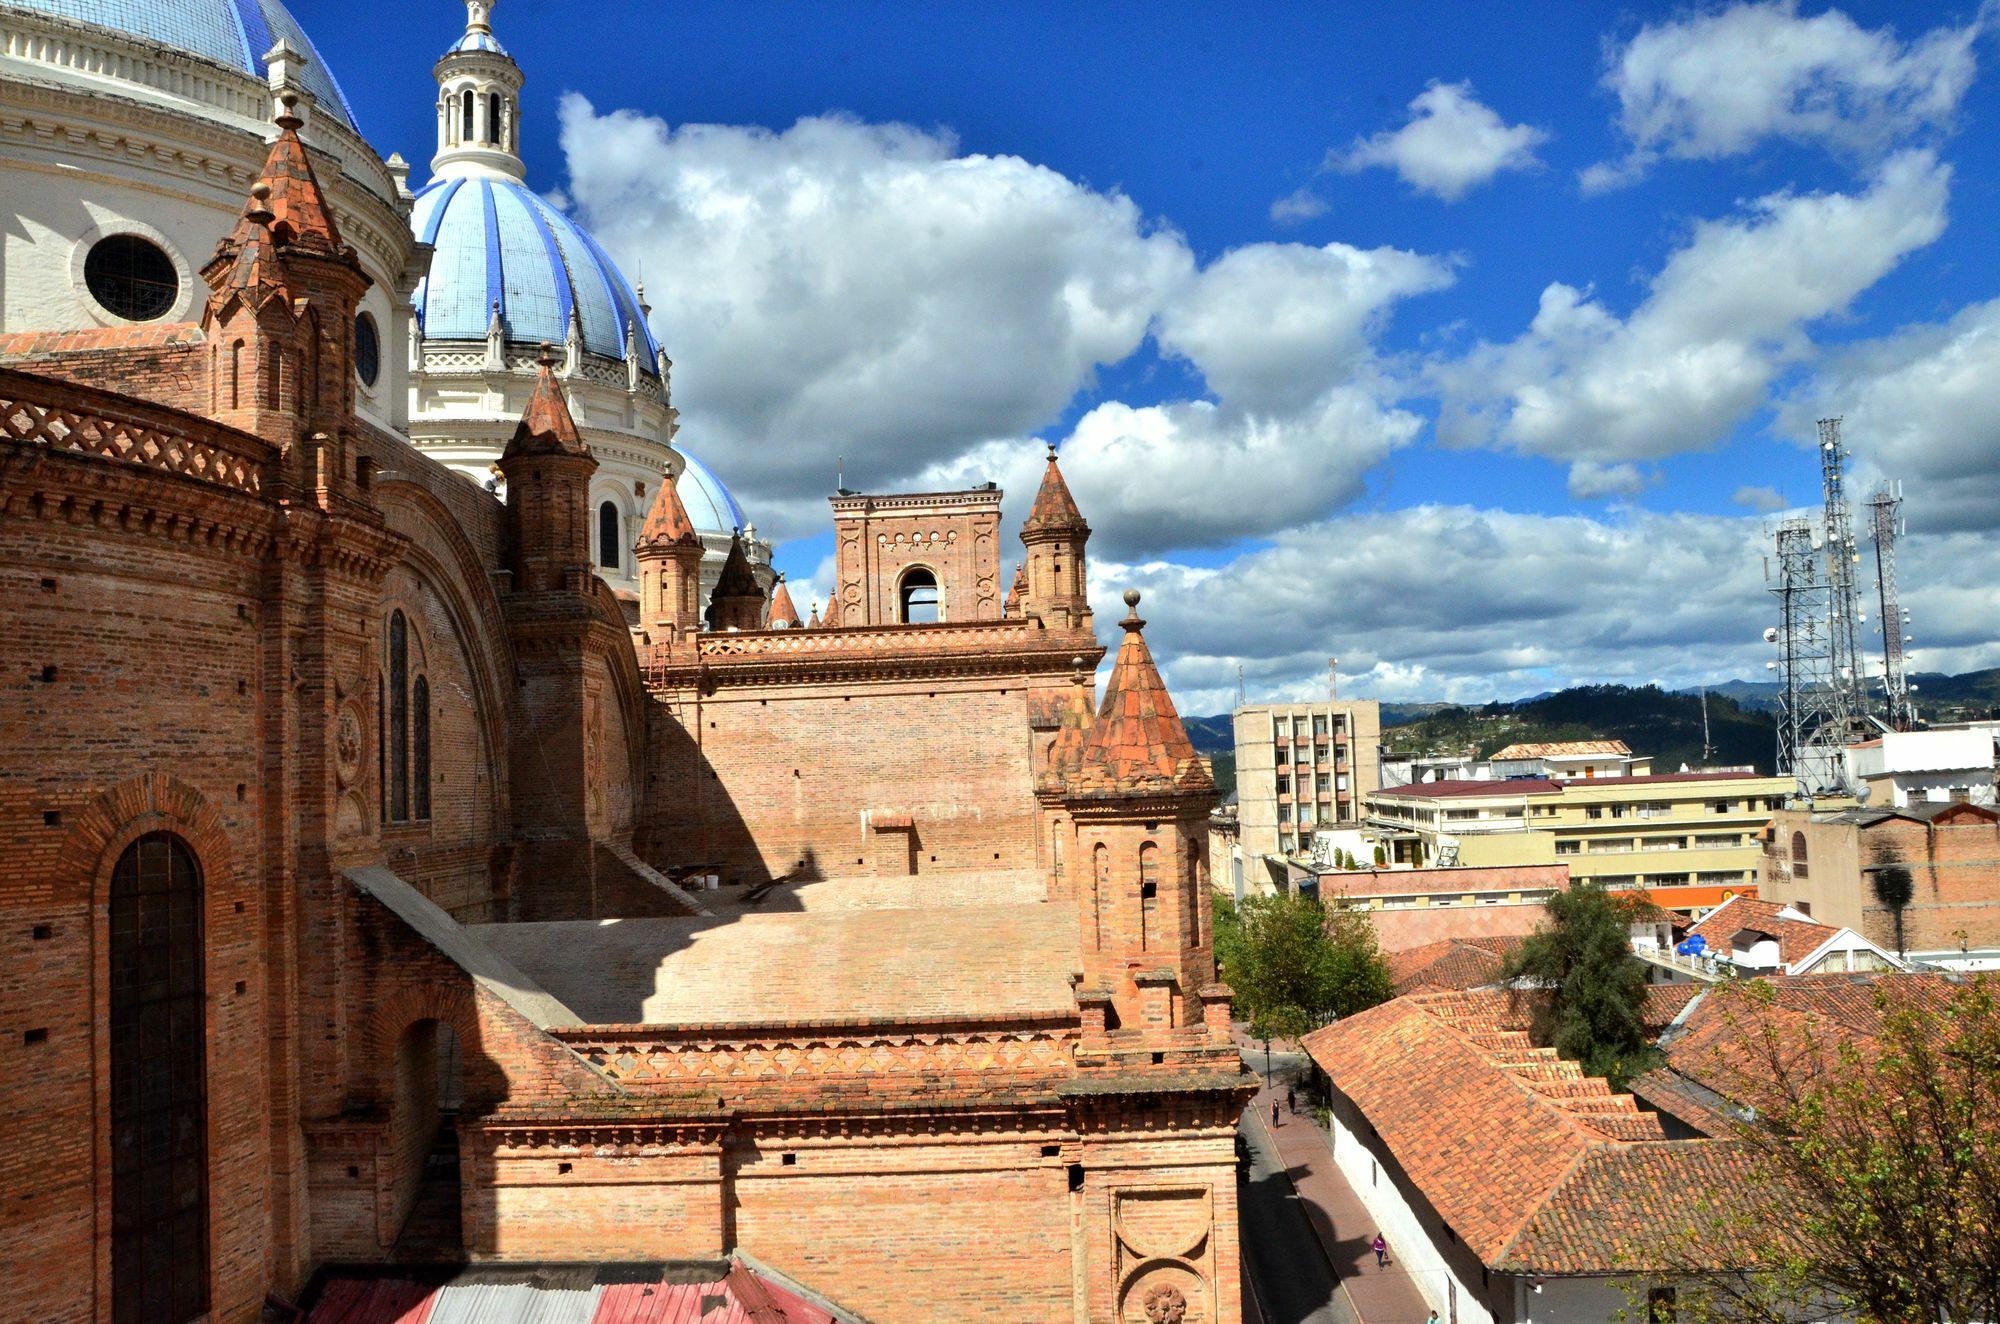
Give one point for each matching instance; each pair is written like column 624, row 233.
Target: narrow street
column 1286, row 1265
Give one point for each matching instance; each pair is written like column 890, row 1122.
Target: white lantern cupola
column 479, row 104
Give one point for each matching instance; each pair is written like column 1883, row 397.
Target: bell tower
column 479, row 103
column 1054, row 534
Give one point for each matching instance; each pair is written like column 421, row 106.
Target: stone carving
column 347, row 745
column 1164, row 1304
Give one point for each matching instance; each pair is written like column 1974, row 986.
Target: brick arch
column 152, row 802
column 391, row 1018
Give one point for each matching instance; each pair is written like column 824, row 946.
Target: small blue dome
column 496, row 241
column 708, row 502
column 230, row 32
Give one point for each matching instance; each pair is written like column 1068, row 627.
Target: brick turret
column 1054, row 534
column 784, row 616
column 669, row 556
column 1063, row 759
column 738, row 601
column 1139, row 798
column 548, row 467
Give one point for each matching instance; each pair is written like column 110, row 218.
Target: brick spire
column 667, row 522
column 1138, row 742
column 1073, row 729
column 1011, row 608
column 546, row 427
column 301, row 217
column 784, row 616
column 738, row 600
column 1054, row 509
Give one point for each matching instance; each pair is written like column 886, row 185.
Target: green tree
column 1595, row 987
column 1876, row 1152
column 1294, row 964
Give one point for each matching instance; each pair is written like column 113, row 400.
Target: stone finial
column 259, row 209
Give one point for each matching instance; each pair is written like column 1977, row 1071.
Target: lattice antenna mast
column 1843, row 554
column 1242, row 697
column 1885, row 511
column 1813, row 719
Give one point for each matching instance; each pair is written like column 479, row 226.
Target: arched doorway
column 159, row 1086
column 430, row 1089
column 919, row 594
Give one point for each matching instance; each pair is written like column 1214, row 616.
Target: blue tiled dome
column 497, row 242
column 231, row 32
column 709, row 504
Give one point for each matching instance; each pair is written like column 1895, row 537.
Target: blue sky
column 1471, row 343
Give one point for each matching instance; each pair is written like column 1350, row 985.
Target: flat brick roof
column 910, row 964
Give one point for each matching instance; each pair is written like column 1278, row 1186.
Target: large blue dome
column 709, row 504
column 230, row 32
column 497, row 242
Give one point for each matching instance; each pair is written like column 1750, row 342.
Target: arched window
column 919, row 594
column 1100, row 883
column 1798, row 855
column 420, row 748
column 610, row 552
column 1149, row 895
column 493, row 118
column 397, row 745
column 159, row 1086
column 465, row 132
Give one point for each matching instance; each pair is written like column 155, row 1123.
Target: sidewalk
column 1379, row 1295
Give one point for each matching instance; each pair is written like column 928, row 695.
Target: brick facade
column 249, row 625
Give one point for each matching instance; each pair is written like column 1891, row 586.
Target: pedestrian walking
column 1381, row 1249
column 1292, row 1100
column 1275, row 1119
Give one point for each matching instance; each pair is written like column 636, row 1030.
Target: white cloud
column 1468, row 605
column 1717, row 84
column 1700, row 352
column 1451, row 145
column 1921, row 405
column 1299, row 206
column 1589, row 480
column 1763, row 500
column 862, row 290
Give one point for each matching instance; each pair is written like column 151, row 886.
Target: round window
column 367, row 349
column 131, row 277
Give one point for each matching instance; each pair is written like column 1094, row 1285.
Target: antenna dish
column 1770, row 634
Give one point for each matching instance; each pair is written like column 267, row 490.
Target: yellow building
column 1689, row 839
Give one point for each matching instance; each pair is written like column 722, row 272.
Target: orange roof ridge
column 667, row 522
column 1054, row 508
column 783, row 614
column 1138, row 741
column 302, row 218
column 546, row 427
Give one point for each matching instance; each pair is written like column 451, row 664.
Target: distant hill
column 1940, row 697
column 1650, row 720
column 1212, row 735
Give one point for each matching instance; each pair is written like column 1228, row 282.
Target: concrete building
column 1413, row 907
column 1904, row 768
column 1300, row 766
column 1849, row 867
column 1690, row 839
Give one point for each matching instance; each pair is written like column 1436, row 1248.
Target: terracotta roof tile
column 1454, row 963
column 1073, row 727
column 1798, row 937
column 1137, row 742
column 1054, row 508
column 784, row 616
column 667, row 522
column 546, row 427
column 301, row 217
column 1555, row 749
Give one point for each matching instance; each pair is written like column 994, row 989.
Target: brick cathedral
column 429, row 834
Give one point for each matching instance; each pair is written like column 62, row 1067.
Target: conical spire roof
column 546, row 427
column 1054, row 509
column 784, row 616
column 1012, row 607
column 667, row 523
column 1072, row 729
column 300, row 215
column 737, row 579
column 1138, row 742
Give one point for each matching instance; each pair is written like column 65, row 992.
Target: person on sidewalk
column 1275, row 1119
column 1381, row 1249
column 1292, row 1100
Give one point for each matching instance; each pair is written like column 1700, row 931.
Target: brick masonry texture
column 879, row 1072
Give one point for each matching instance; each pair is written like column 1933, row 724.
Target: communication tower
column 1885, row 511
column 1816, row 715
column 1843, row 555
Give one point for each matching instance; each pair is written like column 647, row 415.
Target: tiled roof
column 667, row 522
column 1017, row 591
column 1563, row 749
column 783, row 614
column 533, row 1294
column 1073, row 725
column 737, row 580
column 1535, row 1165
column 1664, row 1003
column 1798, row 937
column 1454, row 963
column 1054, row 508
column 300, row 216
column 546, row 427
column 1137, row 742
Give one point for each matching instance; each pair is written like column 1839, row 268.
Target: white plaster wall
column 1409, row 1243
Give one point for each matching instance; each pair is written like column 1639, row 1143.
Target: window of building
column 1719, row 807
column 493, row 118
column 1305, row 813
column 1567, row 847
column 919, row 596
column 1798, row 855
column 1284, row 786
column 1319, row 727
column 1284, row 813
column 465, row 115
column 131, row 277
column 1319, row 753
column 367, row 349
column 610, row 553
column 159, row 1085
column 420, row 748
column 1322, row 784
column 405, row 736
column 1593, row 811
column 1284, row 755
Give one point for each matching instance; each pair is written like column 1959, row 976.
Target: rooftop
column 1798, row 935
column 982, row 961
column 1454, row 963
column 727, row 1293
column 1446, row 790
column 1564, row 749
